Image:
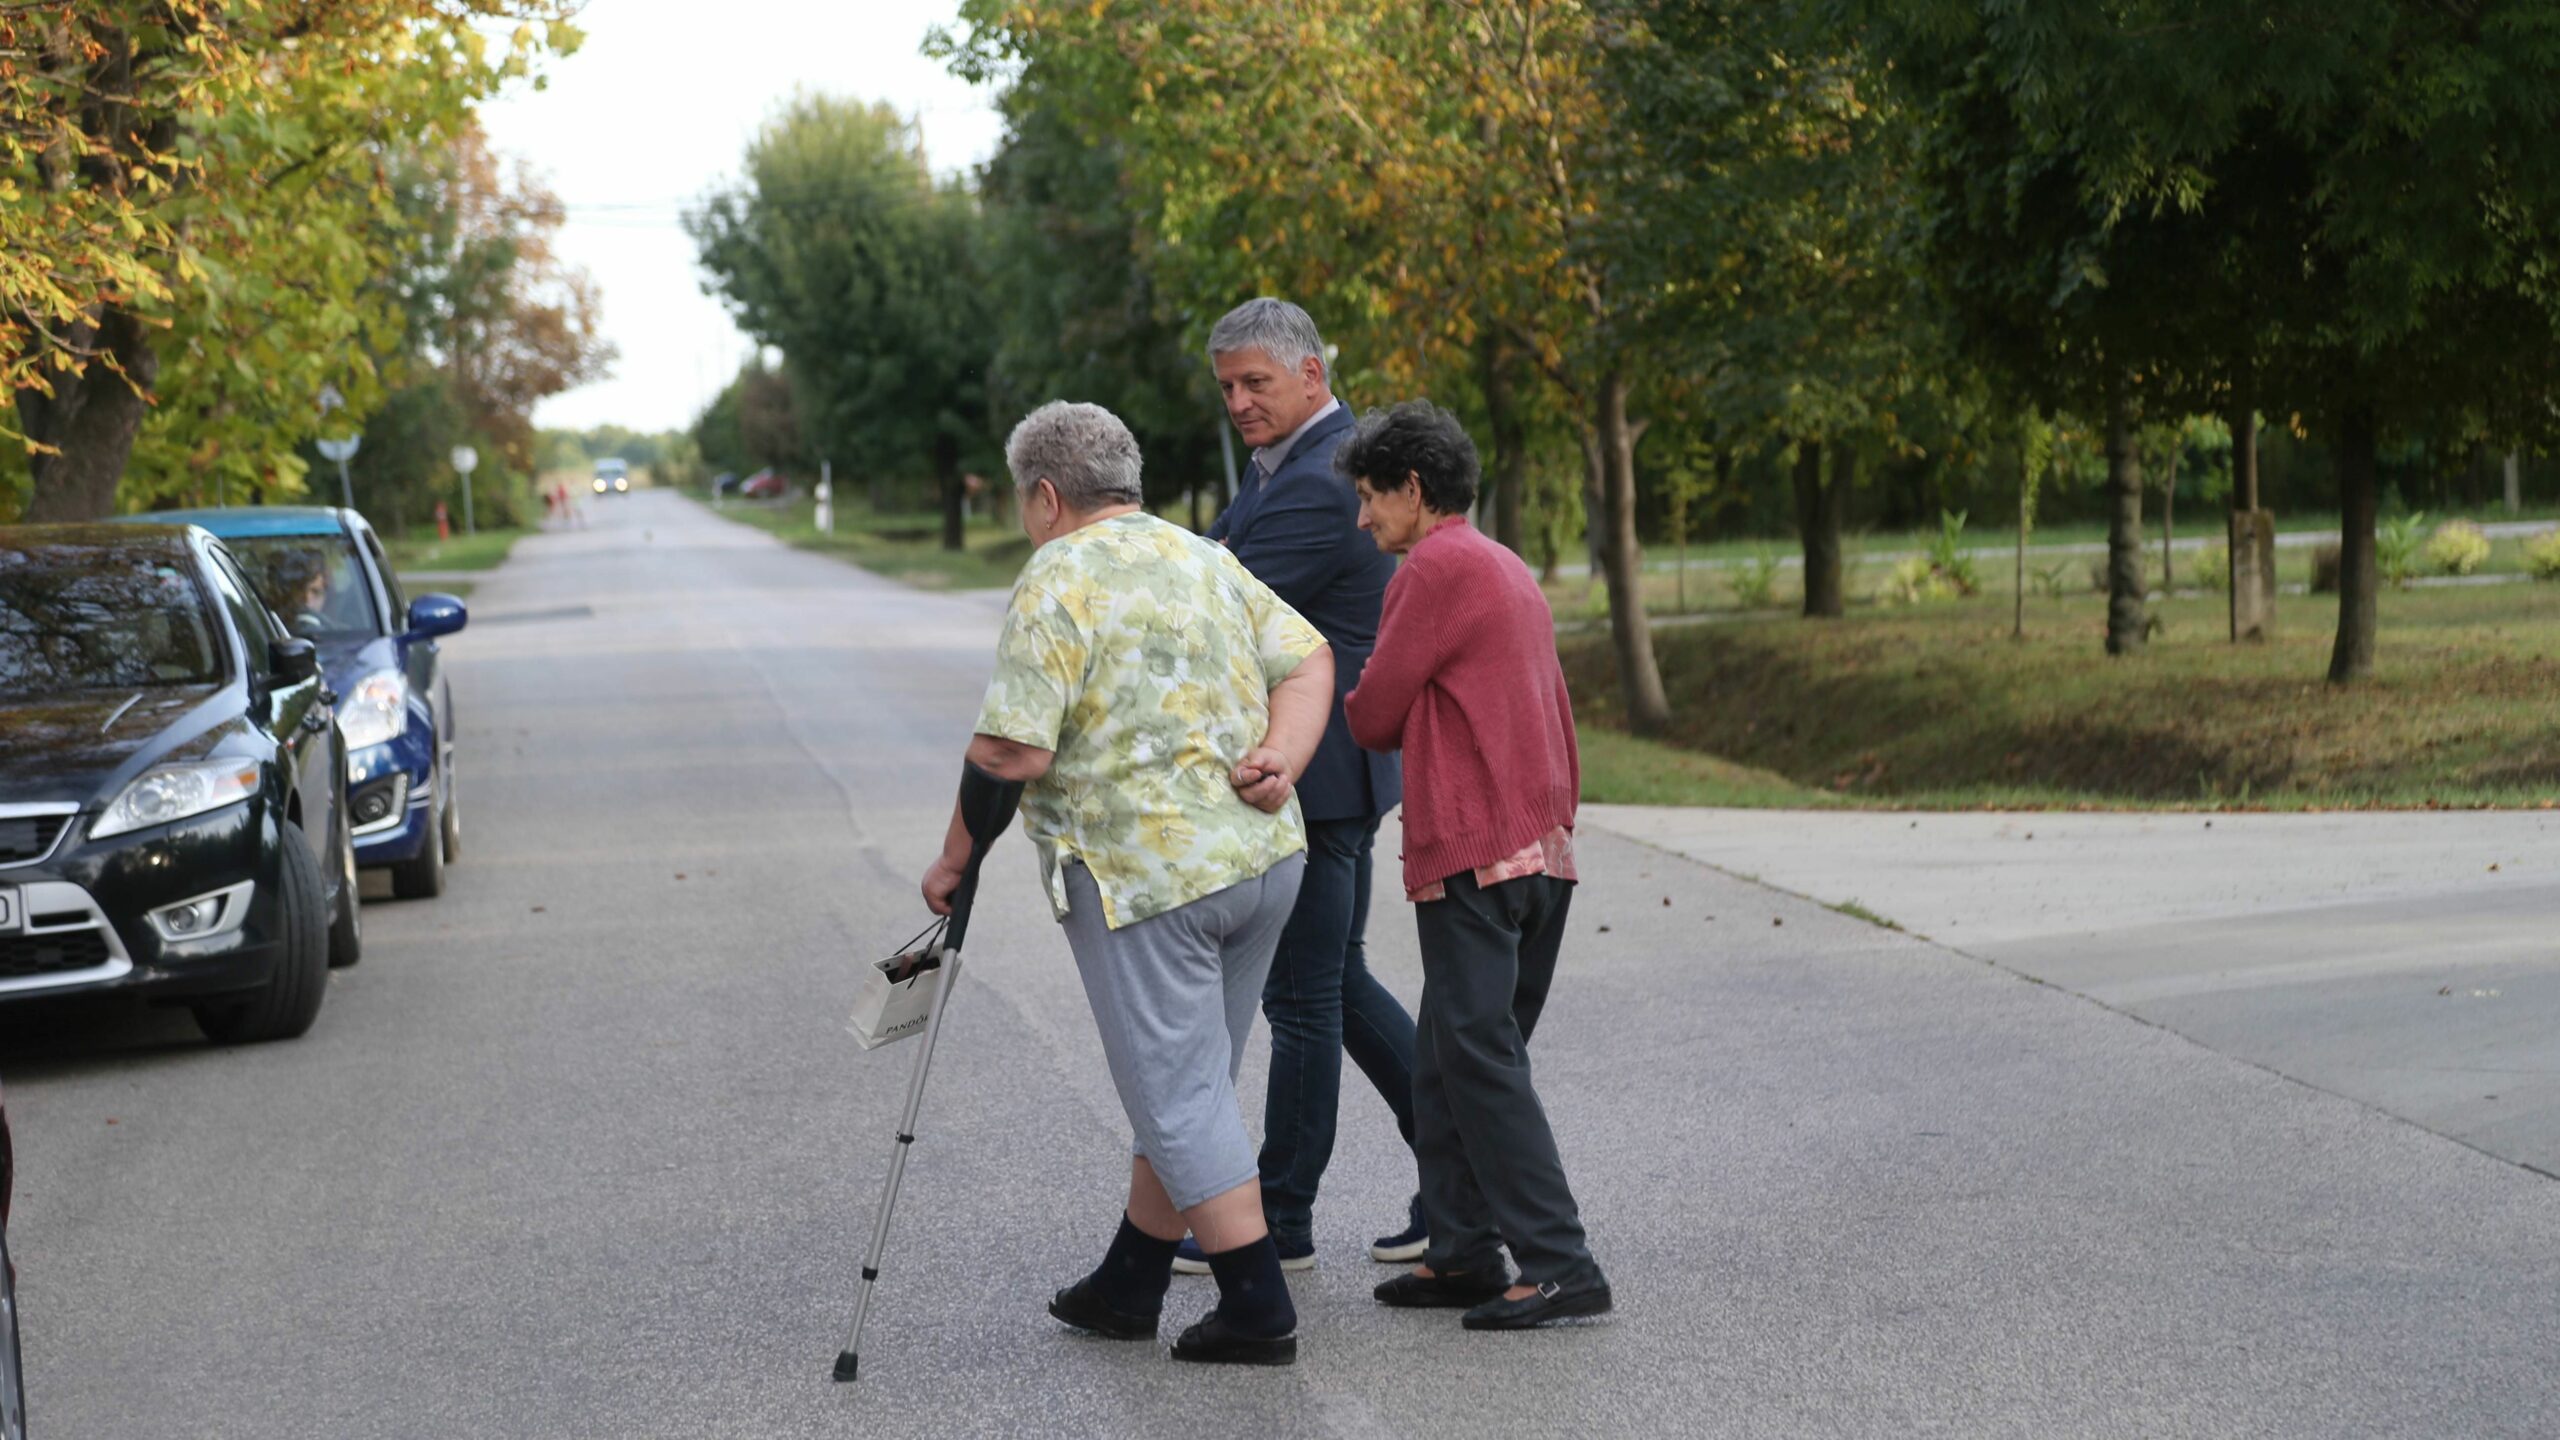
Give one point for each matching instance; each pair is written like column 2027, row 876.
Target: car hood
column 348, row 659
column 70, row 748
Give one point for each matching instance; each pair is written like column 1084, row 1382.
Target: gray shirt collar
column 1276, row 454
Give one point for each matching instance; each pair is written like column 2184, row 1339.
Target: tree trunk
column 2125, row 589
column 955, row 496
column 91, row 419
column 1818, row 523
column 2359, row 578
column 2026, row 519
column 2169, row 524
column 1509, row 479
column 2253, row 535
column 1595, row 511
column 2515, row 482
column 1631, row 633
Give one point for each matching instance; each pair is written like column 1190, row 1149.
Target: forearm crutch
column 986, row 808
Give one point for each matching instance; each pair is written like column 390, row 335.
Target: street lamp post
column 465, row 460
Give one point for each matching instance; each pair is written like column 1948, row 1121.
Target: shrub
column 2325, row 562
column 2395, row 547
column 2458, row 548
column 2213, row 566
column 1915, row 581
column 2542, row 556
column 1755, row 581
column 1947, row 555
column 2052, row 581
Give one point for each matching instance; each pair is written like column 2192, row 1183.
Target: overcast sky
column 656, row 108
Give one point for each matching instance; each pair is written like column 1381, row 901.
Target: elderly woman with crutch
column 1465, row 682
column 1160, row 702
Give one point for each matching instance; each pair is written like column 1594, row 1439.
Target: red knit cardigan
column 1465, row 681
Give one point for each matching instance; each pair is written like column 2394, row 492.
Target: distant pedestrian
column 1293, row 525
column 1162, row 705
column 1466, row 682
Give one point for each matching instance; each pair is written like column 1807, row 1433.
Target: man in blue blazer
column 1294, row 524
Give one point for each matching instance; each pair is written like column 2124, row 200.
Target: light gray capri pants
column 1174, row 996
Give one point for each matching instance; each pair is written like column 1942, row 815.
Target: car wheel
column 452, row 811
column 422, row 878
column 291, row 999
column 346, row 922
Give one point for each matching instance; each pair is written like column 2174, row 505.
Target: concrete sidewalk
column 2407, row 960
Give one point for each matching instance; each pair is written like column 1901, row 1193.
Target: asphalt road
column 2408, row 960
column 581, row 1149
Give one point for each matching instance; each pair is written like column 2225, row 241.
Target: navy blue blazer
column 1299, row 533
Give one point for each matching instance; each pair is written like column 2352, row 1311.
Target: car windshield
column 314, row 583
column 99, row 617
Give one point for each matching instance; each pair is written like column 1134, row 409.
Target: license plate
column 9, row 917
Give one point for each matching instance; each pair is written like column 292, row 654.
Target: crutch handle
column 986, row 808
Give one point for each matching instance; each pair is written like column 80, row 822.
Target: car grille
column 25, row 955
column 29, row 837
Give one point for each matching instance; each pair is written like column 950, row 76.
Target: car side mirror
column 433, row 615
column 292, row 661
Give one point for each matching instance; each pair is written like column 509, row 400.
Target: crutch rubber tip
column 846, row 1363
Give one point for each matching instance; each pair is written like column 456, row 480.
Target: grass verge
column 1936, row 706
column 902, row 547
column 419, row 549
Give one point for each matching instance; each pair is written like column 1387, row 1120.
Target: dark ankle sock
column 1252, row 1293
column 1136, row 1271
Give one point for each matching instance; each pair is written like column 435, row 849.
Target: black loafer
column 1214, row 1342
column 1454, row 1291
column 1080, row 1307
column 1545, row 1306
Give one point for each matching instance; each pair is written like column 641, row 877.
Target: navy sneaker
column 1190, row 1259
column 1405, row 1246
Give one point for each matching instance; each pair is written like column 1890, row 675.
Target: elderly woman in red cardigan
column 1465, row 682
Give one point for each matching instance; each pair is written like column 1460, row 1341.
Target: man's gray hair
column 1082, row 449
column 1275, row 327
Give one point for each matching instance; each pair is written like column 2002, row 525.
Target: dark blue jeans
column 1321, row 1001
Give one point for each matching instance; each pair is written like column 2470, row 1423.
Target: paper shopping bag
column 896, row 998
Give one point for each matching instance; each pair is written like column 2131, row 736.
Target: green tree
column 1790, row 308
column 1076, row 314
column 191, row 187
column 2134, row 205
column 840, row 248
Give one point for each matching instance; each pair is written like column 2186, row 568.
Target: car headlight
column 599, row 485
column 377, row 709
column 174, row 792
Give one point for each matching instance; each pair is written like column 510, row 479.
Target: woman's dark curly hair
column 1416, row 439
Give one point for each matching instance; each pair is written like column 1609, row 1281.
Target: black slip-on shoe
column 1079, row 1306
column 1214, row 1342
column 1545, row 1306
column 1455, row 1291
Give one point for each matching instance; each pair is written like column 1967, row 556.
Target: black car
column 173, row 812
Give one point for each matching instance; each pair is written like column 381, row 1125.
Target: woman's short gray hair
column 1275, row 327
column 1082, row 449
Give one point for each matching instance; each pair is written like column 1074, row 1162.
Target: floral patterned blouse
column 1144, row 656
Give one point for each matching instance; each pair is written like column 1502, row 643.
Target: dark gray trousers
column 1490, row 1172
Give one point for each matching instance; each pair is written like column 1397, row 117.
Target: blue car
column 323, row 572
